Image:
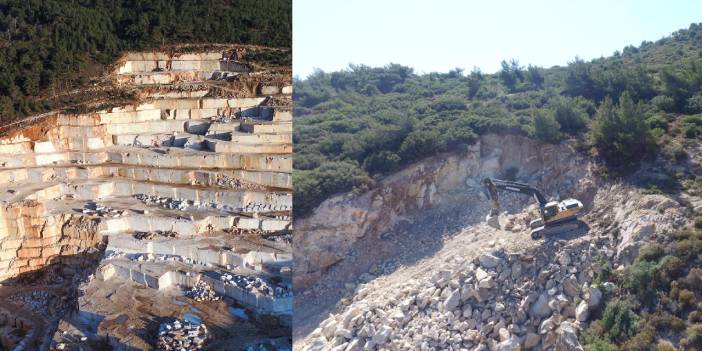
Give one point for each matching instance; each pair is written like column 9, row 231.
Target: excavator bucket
column 493, row 221
column 493, row 218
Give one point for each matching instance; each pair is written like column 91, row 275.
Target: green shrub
column 642, row 340
column 449, row 104
column 569, row 117
column 657, row 121
column 596, row 339
column 620, row 134
column 674, row 151
column 694, row 104
column 545, row 127
column 305, row 182
column 683, row 234
column 600, row 344
column 619, row 320
column 658, row 134
column 662, row 320
column 637, row 278
column 486, row 92
column 664, row 103
column 382, row 162
column 694, row 317
column 652, row 189
column 310, row 161
column 693, row 338
column 688, row 248
column 652, row 252
column 694, row 279
column 459, row 134
column 664, row 345
column 690, row 131
column 422, row 143
column 670, row 268
column 698, row 222
column 687, row 298
column 313, row 187
column 694, row 119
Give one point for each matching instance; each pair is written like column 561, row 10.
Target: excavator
column 556, row 217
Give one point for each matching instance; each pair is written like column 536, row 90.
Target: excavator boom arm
column 493, row 184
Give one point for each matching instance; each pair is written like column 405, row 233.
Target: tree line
column 49, row 46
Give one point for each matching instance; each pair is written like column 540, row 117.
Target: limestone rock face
column 32, row 240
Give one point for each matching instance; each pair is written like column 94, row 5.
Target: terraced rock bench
column 214, row 173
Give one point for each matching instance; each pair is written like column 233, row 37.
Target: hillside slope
column 352, row 127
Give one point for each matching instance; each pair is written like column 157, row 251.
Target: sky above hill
column 441, row 35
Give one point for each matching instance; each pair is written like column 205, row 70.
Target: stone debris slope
column 503, row 296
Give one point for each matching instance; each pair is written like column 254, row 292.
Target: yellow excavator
column 556, row 216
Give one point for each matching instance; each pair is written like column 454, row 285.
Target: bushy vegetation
column 621, row 133
column 655, row 304
column 625, row 107
column 49, row 46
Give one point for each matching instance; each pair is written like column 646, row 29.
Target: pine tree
column 620, row 133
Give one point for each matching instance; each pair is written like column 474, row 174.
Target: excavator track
column 562, row 228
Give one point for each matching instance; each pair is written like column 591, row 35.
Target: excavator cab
column 550, row 210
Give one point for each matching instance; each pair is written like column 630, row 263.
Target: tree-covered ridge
column 358, row 124
column 48, row 46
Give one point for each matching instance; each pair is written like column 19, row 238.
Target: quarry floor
column 132, row 313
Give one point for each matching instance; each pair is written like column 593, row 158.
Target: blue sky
column 441, row 35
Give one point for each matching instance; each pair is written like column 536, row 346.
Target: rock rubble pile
column 283, row 238
column 157, row 234
column 166, row 202
column 499, row 301
column 202, row 292
column 255, row 285
column 257, row 207
column 183, row 205
column 101, row 210
column 35, row 300
column 233, row 183
column 181, row 336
